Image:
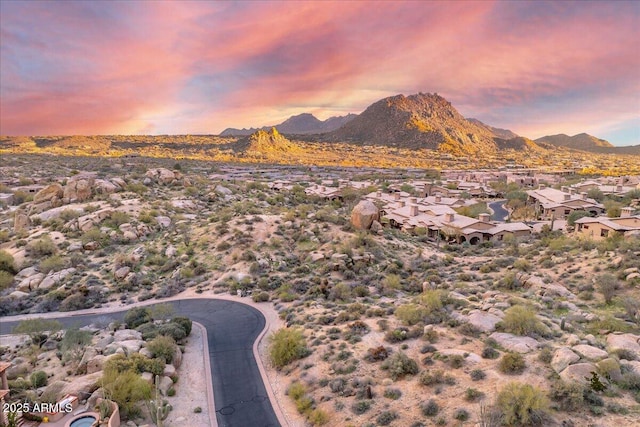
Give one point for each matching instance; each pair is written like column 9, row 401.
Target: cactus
column 158, row 408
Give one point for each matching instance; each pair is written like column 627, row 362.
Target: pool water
column 83, row 422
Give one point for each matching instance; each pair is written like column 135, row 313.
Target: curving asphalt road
column 240, row 396
column 499, row 212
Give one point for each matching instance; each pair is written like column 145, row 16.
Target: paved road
column 499, row 212
column 240, row 396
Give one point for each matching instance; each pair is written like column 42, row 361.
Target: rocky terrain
column 384, row 327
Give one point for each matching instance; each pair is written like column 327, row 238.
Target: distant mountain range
column 302, row 124
column 426, row 121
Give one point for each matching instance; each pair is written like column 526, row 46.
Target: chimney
column 413, row 200
column 618, row 188
column 378, row 193
column 572, row 191
column 438, row 198
column 484, row 217
column 413, row 209
column 564, row 189
column 402, row 203
column 448, row 217
column 567, row 197
column 583, row 196
column 542, row 187
column 323, row 188
column 626, row 212
column 396, row 196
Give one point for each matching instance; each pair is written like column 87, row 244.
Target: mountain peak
column 582, row 141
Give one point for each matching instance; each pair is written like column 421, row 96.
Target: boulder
column 224, row 191
column 610, row 369
column 590, row 352
column 470, row 358
column 21, row 221
column 18, row 294
column 147, row 376
column 88, row 355
column 25, row 272
column 48, row 193
column 138, row 254
column 121, row 273
column 515, row 343
column 82, row 385
column 171, row 251
column 78, row 188
column 103, row 186
column 631, row 365
column 376, row 227
column 363, row 215
column 579, row 372
column 164, row 384
column 316, row 256
column 162, row 175
column 632, row 276
column 483, row 321
column 624, row 342
column 163, row 221
column 30, row 283
column 126, row 335
column 91, row 246
column 55, row 278
column 103, row 343
column 169, row 370
column 562, row 358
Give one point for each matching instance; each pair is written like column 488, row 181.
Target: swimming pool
column 84, row 421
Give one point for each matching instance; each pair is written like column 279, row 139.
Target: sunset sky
column 165, row 67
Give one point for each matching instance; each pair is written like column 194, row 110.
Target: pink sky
column 537, row 68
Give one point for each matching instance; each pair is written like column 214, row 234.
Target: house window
column 586, row 227
column 604, row 233
column 567, row 212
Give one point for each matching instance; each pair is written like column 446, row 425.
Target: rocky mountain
column 266, row 142
column 499, row 133
column 582, row 141
column 301, row 124
column 417, row 121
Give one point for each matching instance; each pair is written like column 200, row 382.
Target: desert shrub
column 433, row 377
column 7, row 262
column 39, row 379
column 607, row 285
column 512, row 363
column 117, row 218
column 521, row 320
column 567, row 396
column 74, row 343
column 392, row 393
column 6, row 279
column 173, row 330
column 386, row 417
column 52, row 263
column 377, row 354
column 430, row 408
column 400, row 365
column 162, row 347
column 456, row 361
column 184, row 322
column 287, row 345
column 410, row 314
column 260, row 297
column 490, row 353
column 127, row 389
column 38, row 329
column 477, row 375
column 296, row 390
column 42, row 247
column 360, row 407
column 472, row 394
column 522, row 404
column 461, row 414
column 318, row 417
column 136, row 317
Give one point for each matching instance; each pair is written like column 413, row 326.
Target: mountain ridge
column 300, row 124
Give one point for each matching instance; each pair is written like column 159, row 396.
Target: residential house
column 602, row 227
column 550, row 203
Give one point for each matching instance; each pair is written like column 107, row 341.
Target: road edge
column 211, row 400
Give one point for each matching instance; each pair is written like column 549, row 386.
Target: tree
column 608, row 285
column 576, row 215
column 74, row 343
column 287, row 345
column 137, row 316
column 38, row 329
column 595, row 194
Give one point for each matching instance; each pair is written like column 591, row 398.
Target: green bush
column 512, row 363
column 42, row 247
column 400, row 365
column 163, row 347
column 7, row 263
column 287, row 345
column 39, row 379
column 184, row 322
column 386, row 417
column 360, row 407
column 430, row 408
column 521, row 320
column 522, row 404
column 173, row 330
column 318, row 417
column 410, row 314
column 52, row 263
column 136, row 317
column 127, row 389
column 6, row 279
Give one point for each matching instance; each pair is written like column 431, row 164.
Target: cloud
column 178, row 67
